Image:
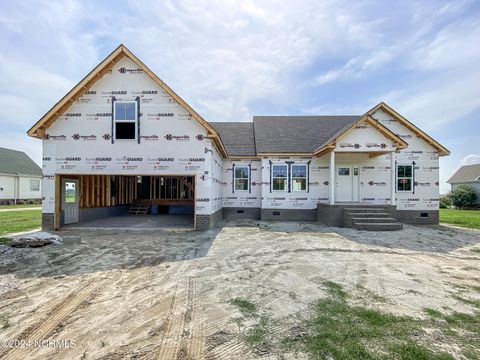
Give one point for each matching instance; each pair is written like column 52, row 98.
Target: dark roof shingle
column 17, row 162
column 466, row 173
column 237, row 137
column 297, row 134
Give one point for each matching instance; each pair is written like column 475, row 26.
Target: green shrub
column 445, row 202
column 463, row 196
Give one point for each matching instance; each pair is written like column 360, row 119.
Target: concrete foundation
column 47, row 221
column 87, row 214
column 207, row 222
column 241, row 213
column 289, row 214
column 418, row 217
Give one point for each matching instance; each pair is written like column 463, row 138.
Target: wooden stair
column 370, row 218
column 138, row 209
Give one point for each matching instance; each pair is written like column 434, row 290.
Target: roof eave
column 38, row 129
column 442, row 150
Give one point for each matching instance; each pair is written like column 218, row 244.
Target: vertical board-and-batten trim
column 289, row 174
column 233, row 178
column 308, row 176
column 271, row 175
column 413, row 176
column 137, row 99
column 113, row 119
column 250, row 178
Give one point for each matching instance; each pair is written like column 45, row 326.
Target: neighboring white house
column 467, row 175
column 122, row 138
column 20, row 178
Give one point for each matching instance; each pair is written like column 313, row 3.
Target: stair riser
column 379, row 227
column 374, row 220
column 358, row 211
column 361, row 215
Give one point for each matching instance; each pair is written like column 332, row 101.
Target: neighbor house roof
column 238, row 137
column 17, row 163
column 297, row 134
column 465, row 174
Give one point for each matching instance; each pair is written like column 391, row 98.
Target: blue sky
column 234, row 59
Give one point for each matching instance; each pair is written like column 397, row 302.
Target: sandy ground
column 166, row 295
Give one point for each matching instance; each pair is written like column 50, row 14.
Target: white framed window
column 299, row 177
column 279, row 177
column 404, row 177
column 34, row 185
column 242, row 178
column 125, row 118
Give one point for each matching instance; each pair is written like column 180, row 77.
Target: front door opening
column 344, row 183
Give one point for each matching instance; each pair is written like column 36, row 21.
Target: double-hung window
column 125, row 119
column 404, row 177
column 242, row 178
column 34, row 185
column 299, row 177
column 280, row 177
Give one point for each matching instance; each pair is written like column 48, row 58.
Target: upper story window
column 242, row 178
column 125, row 116
column 279, row 177
column 299, row 177
column 404, row 177
column 34, row 185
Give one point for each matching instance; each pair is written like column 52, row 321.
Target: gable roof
column 297, row 134
column 442, row 151
column 465, row 174
column 17, row 163
column 38, row 129
column 386, row 132
column 238, row 137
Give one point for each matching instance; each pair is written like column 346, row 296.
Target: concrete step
column 378, row 226
column 374, row 220
column 363, row 210
column 368, row 214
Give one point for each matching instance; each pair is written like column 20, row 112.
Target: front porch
column 356, row 178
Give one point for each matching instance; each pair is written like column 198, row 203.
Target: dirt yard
column 170, row 295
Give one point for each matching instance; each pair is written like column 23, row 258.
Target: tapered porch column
column 332, row 177
column 393, row 173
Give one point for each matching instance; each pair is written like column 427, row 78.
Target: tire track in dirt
column 183, row 338
column 233, row 349
column 42, row 328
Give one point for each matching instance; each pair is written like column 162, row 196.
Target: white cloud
column 470, row 159
column 222, row 56
column 355, row 68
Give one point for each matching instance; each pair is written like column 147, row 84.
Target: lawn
column 20, row 206
column 464, row 218
column 16, row 221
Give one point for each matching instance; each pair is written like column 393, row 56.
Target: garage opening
column 119, row 201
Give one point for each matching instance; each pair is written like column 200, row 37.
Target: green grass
column 246, row 307
column 16, row 221
column 20, row 206
column 465, row 218
column 338, row 330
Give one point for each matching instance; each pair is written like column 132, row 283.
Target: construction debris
column 40, row 238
